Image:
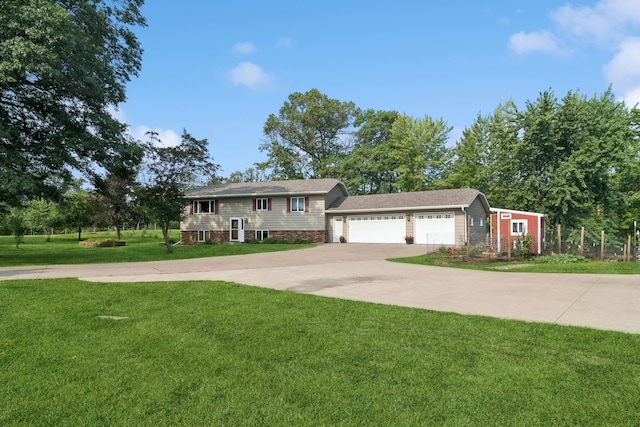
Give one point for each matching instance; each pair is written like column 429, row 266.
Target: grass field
column 212, row 353
column 528, row 266
column 140, row 246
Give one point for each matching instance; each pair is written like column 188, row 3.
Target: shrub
column 343, row 239
column 442, row 250
column 560, row 259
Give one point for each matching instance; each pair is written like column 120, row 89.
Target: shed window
column 518, row 227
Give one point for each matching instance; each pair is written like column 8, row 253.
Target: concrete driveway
column 360, row 272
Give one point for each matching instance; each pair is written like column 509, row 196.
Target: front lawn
column 140, row 246
column 214, row 353
column 529, row 266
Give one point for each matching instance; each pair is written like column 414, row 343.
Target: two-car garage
column 432, row 228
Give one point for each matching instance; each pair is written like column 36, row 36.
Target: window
column 480, row 222
column 518, row 227
column 204, row 235
column 297, row 204
column 471, row 222
column 262, row 204
column 204, row 206
column 261, row 235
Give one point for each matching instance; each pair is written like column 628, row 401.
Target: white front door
column 236, row 229
column 337, row 228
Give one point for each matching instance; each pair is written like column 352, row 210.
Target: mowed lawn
column 214, row 353
column 140, row 246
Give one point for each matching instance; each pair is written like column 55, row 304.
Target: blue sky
column 219, row 68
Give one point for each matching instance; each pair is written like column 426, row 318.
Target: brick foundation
column 218, row 236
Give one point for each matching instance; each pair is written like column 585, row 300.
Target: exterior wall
column 296, row 224
column 501, row 230
column 479, row 228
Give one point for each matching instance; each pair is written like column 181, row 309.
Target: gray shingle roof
column 457, row 198
column 301, row 186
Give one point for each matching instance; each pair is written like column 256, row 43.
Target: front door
column 337, row 228
column 236, row 230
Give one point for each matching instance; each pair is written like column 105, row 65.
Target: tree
column 418, row 152
column 307, row 137
column 77, row 210
column 63, row 65
column 41, row 214
column 367, row 169
column 17, row 225
column 113, row 202
column 472, row 158
column 167, row 173
column 255, row 174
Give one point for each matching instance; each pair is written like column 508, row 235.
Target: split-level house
column 321, row 210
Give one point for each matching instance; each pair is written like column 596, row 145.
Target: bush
column 442, row 250
column 301, row 241
column 560, row 259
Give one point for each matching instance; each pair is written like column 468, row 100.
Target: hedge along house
column 508, row 225
column 240, row 212
column 436, row 218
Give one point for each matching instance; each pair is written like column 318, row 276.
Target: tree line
column 575, row 159
column 65, row 65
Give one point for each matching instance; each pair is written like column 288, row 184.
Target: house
column 239, row 212
column 507, row 225
column 321, row 210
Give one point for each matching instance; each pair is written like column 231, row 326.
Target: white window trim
column 524, row 227
column 298, row 209
column 262, row 204
column 262, row 235
column 204, row 235
column 196, row 207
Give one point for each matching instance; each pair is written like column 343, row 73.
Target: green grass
column 529, row 266
column 140, row 246
column 213, row 353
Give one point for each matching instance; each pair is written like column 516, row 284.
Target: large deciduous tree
column 63, row 65
column 308, row 136
column 167, row 173
column 418, row 152
column 367, row 168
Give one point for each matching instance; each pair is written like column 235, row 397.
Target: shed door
column 435, row 228
column 377, row 229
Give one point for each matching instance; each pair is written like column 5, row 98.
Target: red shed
column 507, row 225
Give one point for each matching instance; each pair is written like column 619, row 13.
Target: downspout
column 465, row 225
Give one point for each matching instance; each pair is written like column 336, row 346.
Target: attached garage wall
column 377, row 228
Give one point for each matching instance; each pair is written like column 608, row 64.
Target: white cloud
column 623, row 71
column 167, row 137
column 244, row 48
column 539, row 41
column 250, row 75
column 608, row 20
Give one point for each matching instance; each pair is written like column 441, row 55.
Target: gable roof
column 268, row 188
column 434, row 199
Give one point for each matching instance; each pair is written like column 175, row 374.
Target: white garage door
column 435, row 228
column 377, row 229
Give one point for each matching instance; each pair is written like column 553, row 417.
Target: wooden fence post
column 582, row 241
column 628, row 247
column 559, row 239
column 602, row 246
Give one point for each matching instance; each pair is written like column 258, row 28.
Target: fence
column 593, row 244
